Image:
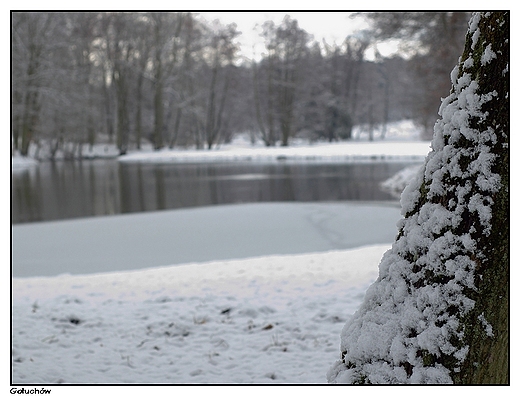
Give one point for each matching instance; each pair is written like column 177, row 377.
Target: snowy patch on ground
column 273, row 319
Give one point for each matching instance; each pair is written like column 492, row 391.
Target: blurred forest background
column 176, row 80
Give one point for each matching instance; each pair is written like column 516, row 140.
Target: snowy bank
column 20, row 164
column 401, row 142
column 330, row 152
column 273, row 319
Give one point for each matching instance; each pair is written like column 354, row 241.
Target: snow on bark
column 410, row 328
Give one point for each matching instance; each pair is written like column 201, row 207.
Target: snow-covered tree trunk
column 438, row 312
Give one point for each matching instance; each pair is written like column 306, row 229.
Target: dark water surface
column 64, row 190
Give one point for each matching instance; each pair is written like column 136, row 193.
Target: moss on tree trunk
column 439, row 310
column 488, row 356
column 486, row 326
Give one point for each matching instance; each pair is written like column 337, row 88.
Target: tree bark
column 439, row 310
column 158, row 104
column 488, row 356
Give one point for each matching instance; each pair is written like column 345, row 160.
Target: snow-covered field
column 258, row 316
column 274, row 319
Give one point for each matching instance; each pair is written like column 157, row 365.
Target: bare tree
column 286, row 46
column 264, row 103
column 434, row 41
column 81, row 78
column 159, row 33
column 185, row 108
column 122, row 55
column 221, row 53
column 143, row 48
column 32, row 44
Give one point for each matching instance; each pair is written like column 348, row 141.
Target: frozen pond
column 64, row 190
column 219, row 232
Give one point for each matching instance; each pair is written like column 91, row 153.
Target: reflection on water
column 91, row 188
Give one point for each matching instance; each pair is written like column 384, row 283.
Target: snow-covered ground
column 274, row 319
column 401, row 143
column 333, row 152
column 142, row 308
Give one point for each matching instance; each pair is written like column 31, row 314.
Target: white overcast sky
column 332, row 26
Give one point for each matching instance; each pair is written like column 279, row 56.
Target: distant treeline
column 173, row 79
